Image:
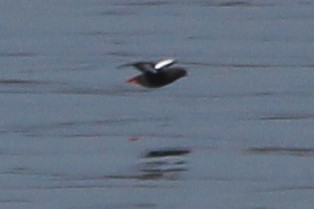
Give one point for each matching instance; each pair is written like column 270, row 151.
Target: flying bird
column 156, row 74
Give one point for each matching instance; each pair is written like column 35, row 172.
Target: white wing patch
column 164, row 63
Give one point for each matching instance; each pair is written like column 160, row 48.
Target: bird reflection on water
column 163, row 163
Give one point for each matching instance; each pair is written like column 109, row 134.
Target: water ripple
column 17, row 54
column 287, row 117
column 294, row 151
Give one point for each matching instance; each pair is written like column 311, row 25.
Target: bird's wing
column 143, row 67
column 164, row 63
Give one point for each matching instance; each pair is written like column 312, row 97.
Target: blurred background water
column 236, row 133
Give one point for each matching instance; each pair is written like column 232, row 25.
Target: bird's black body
column 156, row 74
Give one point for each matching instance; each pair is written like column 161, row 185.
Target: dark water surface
column 236, row 133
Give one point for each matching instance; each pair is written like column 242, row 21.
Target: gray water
column 237, row 133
